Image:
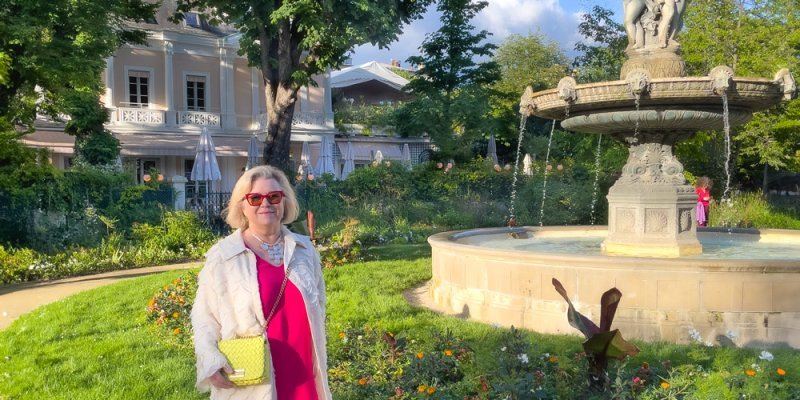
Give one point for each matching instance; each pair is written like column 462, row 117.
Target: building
column 187, row 78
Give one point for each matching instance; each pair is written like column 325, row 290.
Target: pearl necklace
column 274, row 250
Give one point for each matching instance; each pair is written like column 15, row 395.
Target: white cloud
column 556, row 19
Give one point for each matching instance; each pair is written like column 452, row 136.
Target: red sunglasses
column 255, row 199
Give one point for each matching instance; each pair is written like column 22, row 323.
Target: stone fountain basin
column 663, row 299
column 689, row 101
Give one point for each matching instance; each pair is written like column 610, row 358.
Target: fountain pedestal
column 651, row 221
column 651, row 206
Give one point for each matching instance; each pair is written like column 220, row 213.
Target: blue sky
column 556, row 19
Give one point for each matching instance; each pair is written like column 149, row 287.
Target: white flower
column 766, row 356
column 503, row 348
column 709, row 344
column 695, row 335
column 730, row 334
column 523, row 358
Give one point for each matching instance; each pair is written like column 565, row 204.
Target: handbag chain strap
column 280, row 294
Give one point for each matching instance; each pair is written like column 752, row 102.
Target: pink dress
column 289, row 334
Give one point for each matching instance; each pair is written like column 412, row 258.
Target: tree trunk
column 279, row 128
column 764, row 180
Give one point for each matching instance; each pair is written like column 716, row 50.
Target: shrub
column 21, row 265
column 170, row 309
column 750, row 210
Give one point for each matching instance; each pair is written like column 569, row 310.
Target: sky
column 557, row 20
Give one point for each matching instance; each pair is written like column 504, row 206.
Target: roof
column 140, row 144
column 371, row 71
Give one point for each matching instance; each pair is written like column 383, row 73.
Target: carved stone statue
column 652, row 23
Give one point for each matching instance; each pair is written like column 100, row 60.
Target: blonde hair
column 234, row 215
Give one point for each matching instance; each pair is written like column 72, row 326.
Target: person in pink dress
column 241, row 283
column 703, row 199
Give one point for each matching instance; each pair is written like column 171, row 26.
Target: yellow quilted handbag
column 249, row 359
column 249, row 356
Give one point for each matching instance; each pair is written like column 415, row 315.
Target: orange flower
column 421, row 388
column 362, row 381
column 420, row 355
column 151, row 302
column 176, row 331
column 341, row 335
column 750, row 372
column 665, row 385
column 176, row 314
column 431, row 390
column 781, row 372
column 553, row 359
column 448, row 353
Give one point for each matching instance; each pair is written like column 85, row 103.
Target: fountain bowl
column 737, row 295
column 673, row 104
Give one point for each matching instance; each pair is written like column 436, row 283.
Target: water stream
column 512, row 218
column 596, row 177
column 726, row 126
column 546, row 163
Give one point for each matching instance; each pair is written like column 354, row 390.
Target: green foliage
column 93, row 143
column 450, row 87
column 363, row 114
column 179, row 232
column 178, row 237
column 19, row 265
column 531, row 60
column 720, row 32
column 343, row 247
column 752, row 210
column 601, row 58
column 58, row 49
column 170, row 309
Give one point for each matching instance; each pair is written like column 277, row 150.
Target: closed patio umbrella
column 379, row 157
column 305, row 164
column 406, row 155
column 349, row 164
column 205, row 168
column 527, row 165
column 252, row 153
column 325, row 162
column 491, row 150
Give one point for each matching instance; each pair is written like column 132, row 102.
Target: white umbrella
column 349, row 164
column 379, row 157
column 305, row 164
column 325, row 162
column 491, row 151
column 527, row 165
column 252, row 153
column 406, row 155
column 205, row 168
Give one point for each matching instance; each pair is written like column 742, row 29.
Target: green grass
column 97, row 344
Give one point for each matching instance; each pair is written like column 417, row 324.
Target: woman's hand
column 219, row 380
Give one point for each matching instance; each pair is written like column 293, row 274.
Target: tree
column 292, row 40
column 524, row 61
column 602, row 59
column 93, row 143
column 755, row 39
column 451, row 86
column 51, row 49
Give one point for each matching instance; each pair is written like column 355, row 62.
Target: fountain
column 743, row 281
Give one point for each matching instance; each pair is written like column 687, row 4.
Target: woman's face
column 266, row 215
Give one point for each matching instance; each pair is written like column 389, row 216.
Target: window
column 195, row 93
column 138, row 88
column 192, row 19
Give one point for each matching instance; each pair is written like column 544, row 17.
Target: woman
column 239, row 286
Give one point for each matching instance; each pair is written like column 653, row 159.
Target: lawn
column 98, row 345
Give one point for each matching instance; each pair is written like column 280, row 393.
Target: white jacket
column 228, row 305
